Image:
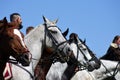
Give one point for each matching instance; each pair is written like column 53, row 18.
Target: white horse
column 107, row 71
column 44, row 36
column 83, row 55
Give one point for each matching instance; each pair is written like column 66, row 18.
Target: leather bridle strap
column 22, row 68
column 82, row 52
column 53, row 39
column 115, row 71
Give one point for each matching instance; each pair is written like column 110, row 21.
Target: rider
column 29, row 28
column 16, row 17
column 113, row 52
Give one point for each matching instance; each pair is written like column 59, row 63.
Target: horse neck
column 42, row 70
column 44, row 65
column 106, row 67
column 34, row 42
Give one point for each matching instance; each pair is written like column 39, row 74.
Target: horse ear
column 5, row 20
column 45, row 19
column 66, row 32
column 84, row 41
column 55, row 21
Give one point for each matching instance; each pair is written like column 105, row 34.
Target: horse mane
column 12, row 24
column 4, row 24
column 1, row 23
column 32, row 35
column 35, row 31
column 74, row 36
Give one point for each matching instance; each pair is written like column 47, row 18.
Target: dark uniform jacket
column 113, row 53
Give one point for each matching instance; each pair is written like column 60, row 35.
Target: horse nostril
column 26, row 56
column 69, row 49
column 27, row 50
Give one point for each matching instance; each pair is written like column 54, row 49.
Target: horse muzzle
column 94, row 64
column 24, row 59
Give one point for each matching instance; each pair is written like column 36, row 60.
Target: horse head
column 87, row 58
column 55, row 39
column 12, row 43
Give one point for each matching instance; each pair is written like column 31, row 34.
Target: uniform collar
column 114, row 45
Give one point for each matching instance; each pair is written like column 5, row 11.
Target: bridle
column 81, row 66
column 57, row 52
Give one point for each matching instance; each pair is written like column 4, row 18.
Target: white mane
column 32, row 35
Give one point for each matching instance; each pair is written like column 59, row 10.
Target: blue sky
column 97, row 21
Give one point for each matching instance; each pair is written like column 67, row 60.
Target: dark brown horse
column 11, row 44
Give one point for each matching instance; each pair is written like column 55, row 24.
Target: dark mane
column 12, row 24
column 5, row 24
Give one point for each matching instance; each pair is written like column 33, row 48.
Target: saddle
column 7, row 72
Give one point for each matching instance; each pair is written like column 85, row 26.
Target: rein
column 16, row 64
column 115, row 71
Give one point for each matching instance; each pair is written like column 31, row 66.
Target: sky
column 97, row 21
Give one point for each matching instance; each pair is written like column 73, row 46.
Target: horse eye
column 80, row 45
column 1, row 28
column 53, row 31
column 11, row 38
column 84, row 49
